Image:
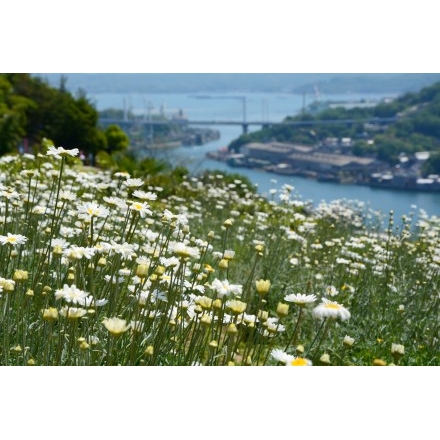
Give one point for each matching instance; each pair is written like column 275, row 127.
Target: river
column 264, row 107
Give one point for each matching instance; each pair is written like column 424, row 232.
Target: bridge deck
column 183, row 122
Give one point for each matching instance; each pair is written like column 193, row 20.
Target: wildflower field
column 103, row 268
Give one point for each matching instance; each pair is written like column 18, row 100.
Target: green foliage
column 117, row 139
column 129, row 163
column 432, row 164
column 364, row 149
column 13, row 117
column 245, row 138
column 389, row 148
column 155, row 172
column 418, row 128
column 31, row 109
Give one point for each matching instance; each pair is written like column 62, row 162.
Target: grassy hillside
column 100, row 268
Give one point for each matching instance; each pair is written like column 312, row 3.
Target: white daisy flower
column 60, row 151
column 133, row 183
column 141, row 208
column 13, row 239
column 331, row 309
column 144, row 195
column 77, row 252
column 331, row 290
column 182, row 250
column 224, row 288
column 281, row 356
column 92, row 209
column 116, row 326
column 126, row 250
column 300, row 299
column 71, row 294
column 273, row 325
column 72, row 312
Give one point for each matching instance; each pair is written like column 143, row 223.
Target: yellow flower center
column 11, row 239
column 332, row 306
column 137, row 206
column 299, row 362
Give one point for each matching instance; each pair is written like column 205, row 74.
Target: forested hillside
column 31, row 109
column 416, row 129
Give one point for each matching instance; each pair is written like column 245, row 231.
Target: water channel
column 269, row 107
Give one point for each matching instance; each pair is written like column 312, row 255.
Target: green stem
column 294, row 339
column 316, row 336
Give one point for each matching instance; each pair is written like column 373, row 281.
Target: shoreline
column 400, row 183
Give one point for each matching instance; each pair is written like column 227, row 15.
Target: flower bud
column 142, row 270
column 228, row 223
column 325, row 359
column 282, row 310
column 213, row 344
column 7, row 285
column 259, row 248
column 262, row 287
column 206, row 319
column 397, row 349
column 263, row 315
column 57, row 251
column 223, row 264
column 84, row 345
column 46, row 290
column 217, row 304
column 232, row 329
column 348, row 341
column 50, row 314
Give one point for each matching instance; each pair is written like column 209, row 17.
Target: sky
column 229, row 36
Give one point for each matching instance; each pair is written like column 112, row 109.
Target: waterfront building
column 273, row 152
column 332, row 163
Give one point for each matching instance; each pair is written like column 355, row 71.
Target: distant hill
column 242, row 82
column 371, row 83
column 416, row 129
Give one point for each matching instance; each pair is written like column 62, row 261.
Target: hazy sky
column 228, row 36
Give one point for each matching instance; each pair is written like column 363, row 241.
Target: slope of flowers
column 101, row 269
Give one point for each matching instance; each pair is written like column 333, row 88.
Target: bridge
column 244, row 124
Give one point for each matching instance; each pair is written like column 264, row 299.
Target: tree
column 432, row 165
column 13, row 110
column 117, row 139
column 71, row 122
column 389, row 148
